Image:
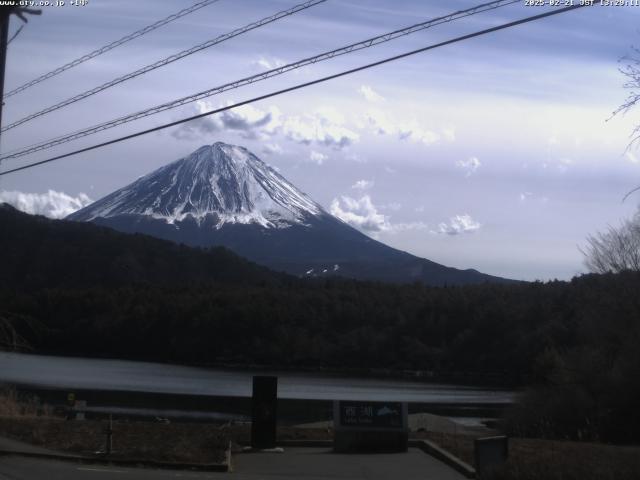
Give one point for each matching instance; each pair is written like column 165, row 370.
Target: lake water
column 98, row 374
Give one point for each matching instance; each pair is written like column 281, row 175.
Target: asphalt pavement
column 10, row 445
column 323, row 464
column 23, row 468
column 294, row 463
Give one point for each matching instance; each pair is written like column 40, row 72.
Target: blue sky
column 494, row 153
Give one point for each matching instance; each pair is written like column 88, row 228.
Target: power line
column 111, row 46
column 15, row 34
column 168, row 60
column 258, row 77
column 303, row 85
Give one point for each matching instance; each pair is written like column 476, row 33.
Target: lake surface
column 98, row 374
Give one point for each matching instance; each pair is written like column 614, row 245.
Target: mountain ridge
column 223, row 195
column 223, row 180
column 39, row 252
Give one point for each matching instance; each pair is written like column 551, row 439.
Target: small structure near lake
column 362, row 426
column 490, row 453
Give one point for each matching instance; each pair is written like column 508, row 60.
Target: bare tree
column 631, row 70
column 616, row 250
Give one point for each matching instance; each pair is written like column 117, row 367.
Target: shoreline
column 497, row 380
column 198, row 408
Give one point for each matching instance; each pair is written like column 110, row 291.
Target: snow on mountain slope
column 223, row 195
column 222, row 181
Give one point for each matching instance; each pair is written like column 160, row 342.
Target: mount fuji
column 223, row 195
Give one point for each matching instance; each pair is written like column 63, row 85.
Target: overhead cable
column 111, row 46
column 166, row 61
column 302, row 85
column 257, row 78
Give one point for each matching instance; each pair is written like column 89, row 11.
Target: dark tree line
column 81, row 290
column 336, row 323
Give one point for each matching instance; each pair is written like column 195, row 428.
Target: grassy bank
column 24, row 418
column 197, row 443
column 534, row 459
column 16, row 404
column 188, row 443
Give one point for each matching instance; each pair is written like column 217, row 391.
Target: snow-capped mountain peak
column 225, row 182
column 224, row 196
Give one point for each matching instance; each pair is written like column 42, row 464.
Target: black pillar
column 4, row 36
column 264, row 404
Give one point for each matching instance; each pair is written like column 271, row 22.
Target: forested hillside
column 41, row 253
column 79, row 289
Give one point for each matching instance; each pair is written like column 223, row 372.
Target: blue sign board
column 371, row 414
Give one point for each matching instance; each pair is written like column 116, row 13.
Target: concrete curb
column 203, row 467
column 435, row 451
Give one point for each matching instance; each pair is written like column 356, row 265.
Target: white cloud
column 393, row 206
column 414, row 132
column 325, row 126
column 383, row 124
column 317, row 157
column 525, row 195
column 403, row 227
column 271, row 148
column 364, row 215
column 449, row 134
column 469, row 166
column 354, row 157
column 268, row 63
column 246, row 119
column 51, row 204
column 564, row 163
column 380, row 123
column 361, row 214
column 459, row 224
column 363, row 185
column 370, row 94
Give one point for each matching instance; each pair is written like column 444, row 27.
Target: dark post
column 5, row 14
column 264, row 412
column 4, row 37
column 490, row 453
column 71, row 405
column 109, row 433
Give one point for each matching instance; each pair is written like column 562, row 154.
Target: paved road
column 295, row 463
column 22, row 468
column 322, row 464
column 10, row 445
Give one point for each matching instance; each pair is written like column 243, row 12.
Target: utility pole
column 5, row 13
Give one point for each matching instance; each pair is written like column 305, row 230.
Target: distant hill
column 223, row 195
column 36, row 252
